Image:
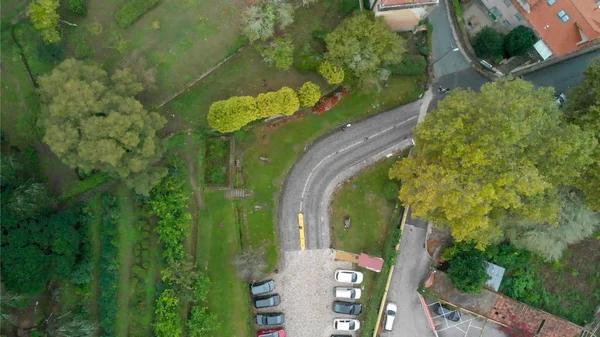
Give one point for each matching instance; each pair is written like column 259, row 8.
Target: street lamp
column 446, row 53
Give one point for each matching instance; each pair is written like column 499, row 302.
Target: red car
column 279, row 332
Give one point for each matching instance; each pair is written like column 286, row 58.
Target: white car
column 390, row 315
column 348, row 276
column 351, row 293
column 345, row 324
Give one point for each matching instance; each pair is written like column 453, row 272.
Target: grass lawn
column 363, row 200
column 95, row 205
column 247, row 74
column 284, row 144
column 217, row 246
column 126, row 234
column 182, row 39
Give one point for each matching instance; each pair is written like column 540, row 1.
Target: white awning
column 542, row 49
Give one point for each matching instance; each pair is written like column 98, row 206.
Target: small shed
column 370, row 262
column 496, row 273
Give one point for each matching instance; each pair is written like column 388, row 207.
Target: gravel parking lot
column 305, row 283
column 468, row 325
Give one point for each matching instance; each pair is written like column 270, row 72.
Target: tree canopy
column 583, row 109
column 278, row 53
column 488, row 44
column 93, row 122
column 259, row 21
column 484, row 156
column 519, row 40
column 44, row 18
column 363, row 46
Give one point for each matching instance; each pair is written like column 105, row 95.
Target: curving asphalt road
column 333, row 159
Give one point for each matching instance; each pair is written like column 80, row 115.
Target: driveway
column 305, row 283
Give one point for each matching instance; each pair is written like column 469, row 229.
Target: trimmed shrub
column 78, row 7
column 332, row 73
column 284, row 101
column 410, row 65
column 133, row 10
column 232, row 114
column 309, row 94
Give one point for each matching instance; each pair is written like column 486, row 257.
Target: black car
column 262, row 287
column 270, row 319
column 452, row 315
column 347, row 308
column 267, row 301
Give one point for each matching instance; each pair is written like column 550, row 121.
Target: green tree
column 332, row 73
column 92, row 122
column 44, row 18
column 576, row 222
column 467, row 267
column 167, row 322
column 186, row 281
column 583, row 109
column 201, row 323
column 363, row 46
column 278, row 53
column 259, row 21
column 232, row 114
column 519, row 40
column 309, row 94
column 483, row 156
column 488, row 44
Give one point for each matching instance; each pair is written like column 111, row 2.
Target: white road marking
column 344, row 149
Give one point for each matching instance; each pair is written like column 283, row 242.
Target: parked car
column 262, row 287
column 267, row 301
column 351, row 293
column 275, row 318
column 346, row 324
column 452, row 315
column 347, row 308
column 348, row 276
column 279, row 332
column 390, row 314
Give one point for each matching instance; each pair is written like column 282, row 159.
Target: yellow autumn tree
column 483, row 157
column 44, row 18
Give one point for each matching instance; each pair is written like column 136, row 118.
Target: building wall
column 507, row 15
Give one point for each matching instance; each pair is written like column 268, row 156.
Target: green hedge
column 133, row 10
column 410, row 65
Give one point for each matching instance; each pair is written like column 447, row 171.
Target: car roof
column 391, row 306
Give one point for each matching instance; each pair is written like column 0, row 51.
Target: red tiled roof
column 385, row 3
column 562, row 38
column 370, row 262
column 516, row 314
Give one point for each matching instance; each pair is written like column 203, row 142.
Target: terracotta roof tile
column 563, row 37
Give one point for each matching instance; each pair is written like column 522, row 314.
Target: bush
column 109, row 267
column 347, row 7
column 309, row 94
column 488, row 44
column 50, row 52
column 519, row 40
column 410, row 65
column 319, row 34
column 391, row 190
column 467, row 267
column 332, row 73
column 82, row 186
column 307, row 59
column 133, row 10
column 232, row 114
column 283, row 101
column 78, row 7
column 278, row 53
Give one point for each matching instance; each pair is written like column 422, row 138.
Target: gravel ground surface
column 305, row 283
column 468, row 326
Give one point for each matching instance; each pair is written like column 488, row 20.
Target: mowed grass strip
column 362, row 199
column 127, row 236
column 96, row 210
column 284, row 144
column 228, row 298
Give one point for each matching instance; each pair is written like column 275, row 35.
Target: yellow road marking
column 301, row 229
